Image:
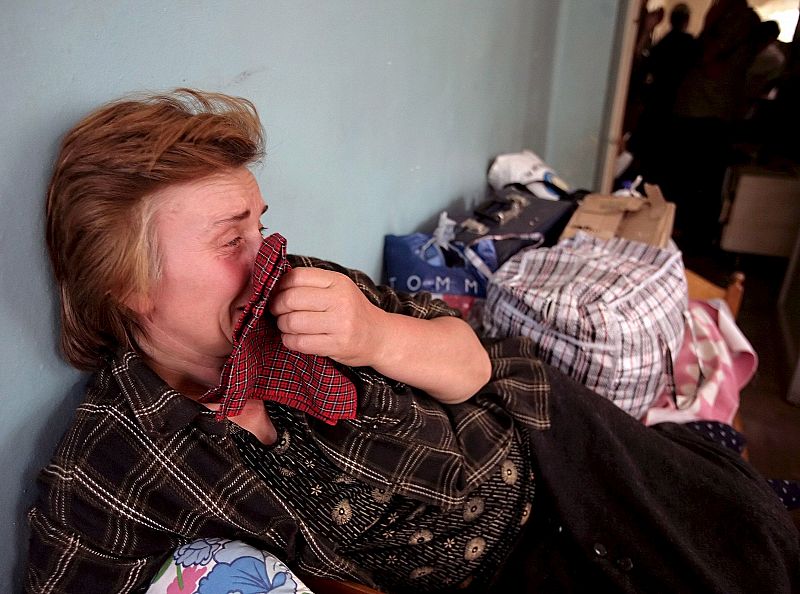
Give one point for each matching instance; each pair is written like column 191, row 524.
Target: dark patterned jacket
column 143, row 469
column 627, row 508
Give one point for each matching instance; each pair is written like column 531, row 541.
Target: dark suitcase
column 515, row 219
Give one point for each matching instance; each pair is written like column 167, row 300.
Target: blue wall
column 378, row 114
column 581, row 89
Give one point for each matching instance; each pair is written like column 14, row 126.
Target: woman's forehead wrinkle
column 233, row 218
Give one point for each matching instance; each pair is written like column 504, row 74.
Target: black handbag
column 515, row 219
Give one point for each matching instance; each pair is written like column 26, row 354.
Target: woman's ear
column 139, row 303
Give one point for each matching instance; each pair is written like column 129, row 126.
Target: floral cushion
column 221, row 566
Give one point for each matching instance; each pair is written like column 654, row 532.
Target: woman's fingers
column 301, row 298
column 320, row 312
column 311, row 344
column 330, row 334
column 306, row 322
column 308, row 277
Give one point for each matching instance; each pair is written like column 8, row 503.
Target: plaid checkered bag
column 609, row 313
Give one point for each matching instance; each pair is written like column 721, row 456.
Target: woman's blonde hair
column 99, row 208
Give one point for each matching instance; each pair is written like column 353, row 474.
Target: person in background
column 763, row 79
column 353, row 431
column 672, row 56
column 709, row 102
column 769, row 63
column 778, row 120
column 666, row 66
column 647, row 22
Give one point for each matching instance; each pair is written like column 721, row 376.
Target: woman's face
column 208, row 232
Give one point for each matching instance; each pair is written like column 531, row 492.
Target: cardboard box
column 763, row 214
column 647, row 219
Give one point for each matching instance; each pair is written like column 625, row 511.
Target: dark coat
column 627, row 508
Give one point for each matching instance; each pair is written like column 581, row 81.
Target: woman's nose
column 250, row 257
column 252, row 249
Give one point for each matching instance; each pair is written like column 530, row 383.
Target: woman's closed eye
column 238, row 240
column 235, row 242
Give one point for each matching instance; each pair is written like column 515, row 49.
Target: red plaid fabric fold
column 261, row 367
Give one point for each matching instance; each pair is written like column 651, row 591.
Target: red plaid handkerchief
column 261, row 367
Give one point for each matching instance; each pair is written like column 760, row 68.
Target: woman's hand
column 321, row 312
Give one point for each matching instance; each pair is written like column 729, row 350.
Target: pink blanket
column 714, row 363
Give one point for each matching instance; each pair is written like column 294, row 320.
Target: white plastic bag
column 527, row 169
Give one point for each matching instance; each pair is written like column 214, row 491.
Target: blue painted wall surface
column 581, row 85
column 378, row 115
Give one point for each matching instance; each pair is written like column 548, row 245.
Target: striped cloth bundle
column 609, row 313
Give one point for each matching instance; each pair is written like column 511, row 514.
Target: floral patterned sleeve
column 212, row 565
